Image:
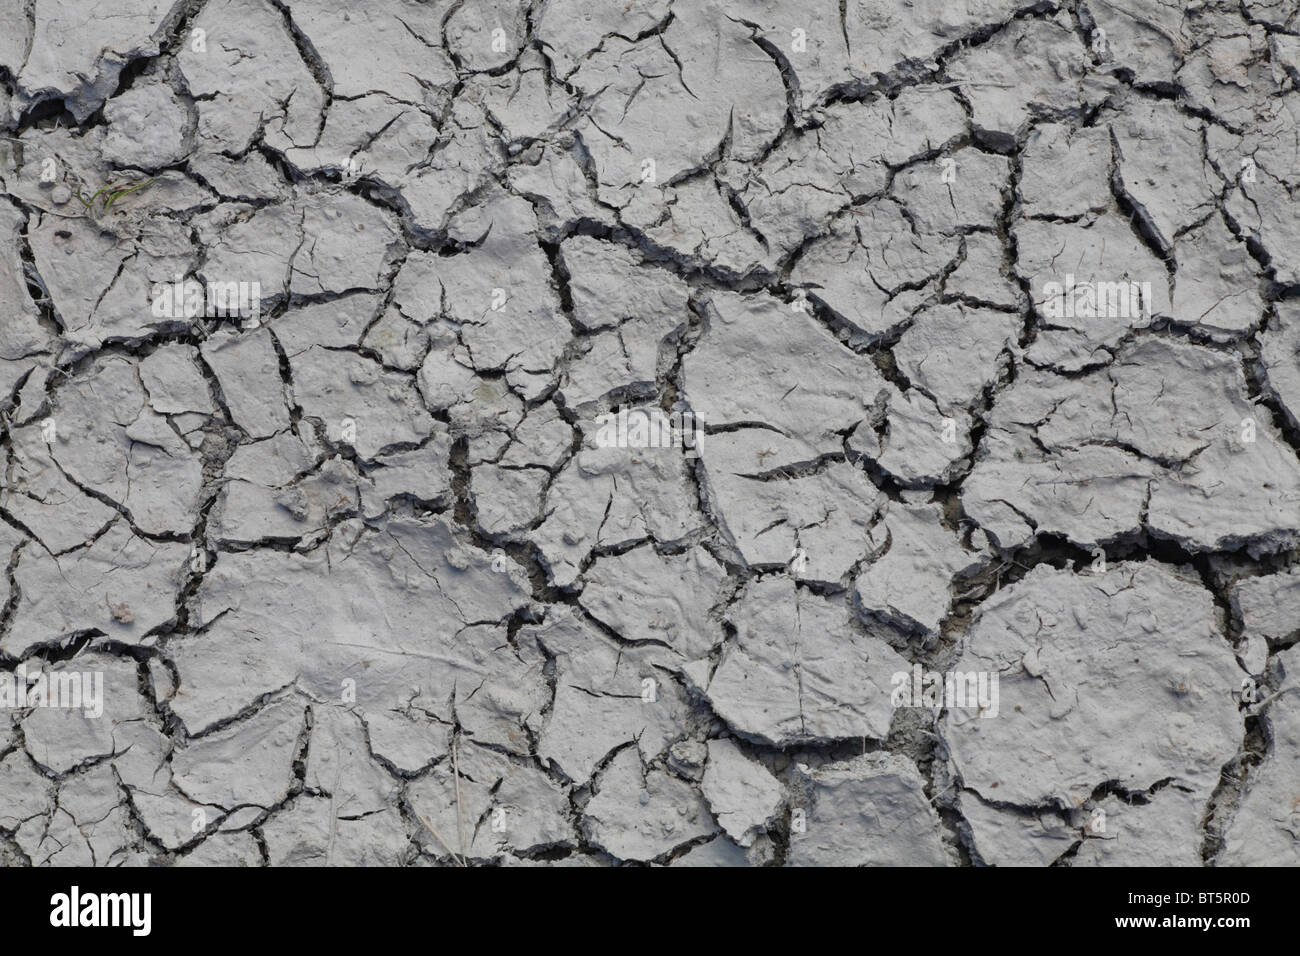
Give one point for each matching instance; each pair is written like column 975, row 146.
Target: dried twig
column 438, row 836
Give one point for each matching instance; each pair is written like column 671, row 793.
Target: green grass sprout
column 112, row 193
column 115, row 196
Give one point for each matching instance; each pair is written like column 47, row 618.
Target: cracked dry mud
column 366, row 582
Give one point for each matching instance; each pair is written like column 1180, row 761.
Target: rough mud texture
column 972, row 327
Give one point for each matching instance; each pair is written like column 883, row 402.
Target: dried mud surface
column 366, row 576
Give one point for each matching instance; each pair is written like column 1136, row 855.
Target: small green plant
column 111, row 193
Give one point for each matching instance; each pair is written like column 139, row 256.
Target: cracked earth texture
column 362, row 576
